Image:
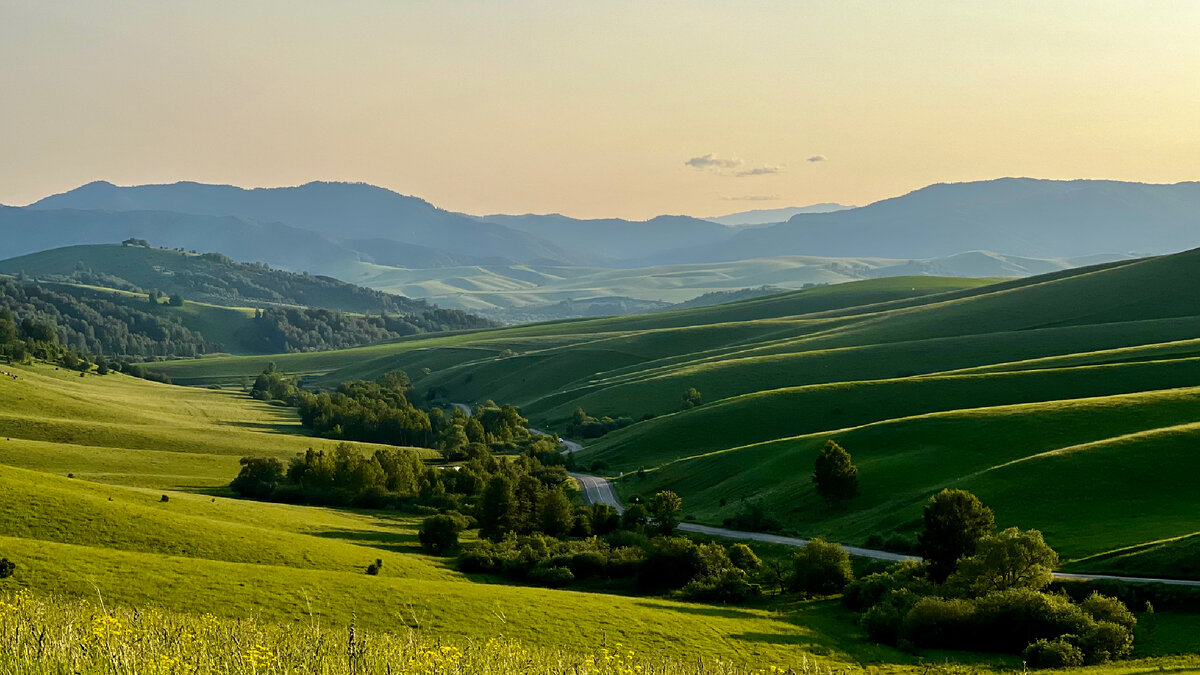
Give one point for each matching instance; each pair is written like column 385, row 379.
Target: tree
column 556, row 514
column 258, row 477
column 634, row 517
column 664, row 511
column 497, row 508
column 834, row 474
column 605, row 519
column 743, row 558
column 1009, row 559
column 821, row 568
column 176, row 300
column 6, row 568
column 955, row 521
column 439, row 534
column 691, row 399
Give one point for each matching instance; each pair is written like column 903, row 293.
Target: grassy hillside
column 929, row 382
column 85, row 463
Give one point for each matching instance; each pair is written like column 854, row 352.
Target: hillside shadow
column 281, row 427
column 384, row 541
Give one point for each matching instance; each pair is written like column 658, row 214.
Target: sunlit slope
column 781, row 413
column 120, row 429
column 1095, row 474
column 641, row 336
column 203, row 552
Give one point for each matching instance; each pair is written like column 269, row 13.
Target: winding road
column 597, row 490
column 600, row 490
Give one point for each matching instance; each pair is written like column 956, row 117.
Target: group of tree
column 583, row 425
column 982, row 590
column 217, row 279
column 91, row 324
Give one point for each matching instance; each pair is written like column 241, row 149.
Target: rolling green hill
column 85, row 465
column 1055, row 397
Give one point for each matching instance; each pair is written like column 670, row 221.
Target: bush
column 1104, row 608
column 554, row 577
column 727, row 585
column 439, row 534
column 6, row 568
column 1056, row 653
column 1105, row 641
column 937, row 622
column 821, row 568
column 671, row 562
column 373, row 569
column 1009, row 620
column 882, row 622
column 871, row 589
column 743, row 558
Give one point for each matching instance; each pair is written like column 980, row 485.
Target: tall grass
column 52, row 636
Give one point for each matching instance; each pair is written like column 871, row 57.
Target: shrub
column 671, row 562
column 551, row 576
column 1009, row 620
column 727, row 585
column 1056, row 653
column 6, row 568
column 908, row 575
column 743, row 558
column 1105, row 641
column 439, row 534
column 1104, row 608
column 882, row 622
column 373, row 569
column 937, row 622
column 821, row 568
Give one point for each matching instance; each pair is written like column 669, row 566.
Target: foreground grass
column 54, row 636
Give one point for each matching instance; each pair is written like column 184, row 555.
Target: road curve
column 597, row 490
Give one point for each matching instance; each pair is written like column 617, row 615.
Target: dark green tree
column 665, row 508
column 834, row 474
column 557, row 514
column 6, row 568
column 439, row 534
column 691, row 399
column 176, row 300
column 258, row 478
column 955, row 521
column 497, row 508
column 821, row 568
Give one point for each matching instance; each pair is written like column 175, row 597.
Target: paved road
column 568, row 446
column 599, row 490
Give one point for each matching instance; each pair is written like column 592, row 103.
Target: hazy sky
column 597, row 108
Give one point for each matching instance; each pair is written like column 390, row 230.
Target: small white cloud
column 731, row 166
column 817, row 158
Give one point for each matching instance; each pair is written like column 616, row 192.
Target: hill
column 1021, row 390
column 332, row 210
column 87, row 464
column 770, row 216
column 210, row 277
column 1015, row 216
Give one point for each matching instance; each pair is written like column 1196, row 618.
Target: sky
column 595, row 109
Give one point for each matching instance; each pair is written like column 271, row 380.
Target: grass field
column 930, row 382
column 106, row 530
column 1062, row 424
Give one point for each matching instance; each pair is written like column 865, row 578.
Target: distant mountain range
column 1015, row 216
column 365, row 234
column 770, row 216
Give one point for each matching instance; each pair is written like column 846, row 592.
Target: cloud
column 759, row 171
column 731, row 166
column 712, row 162
column 817, row 158
column 751, row 198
